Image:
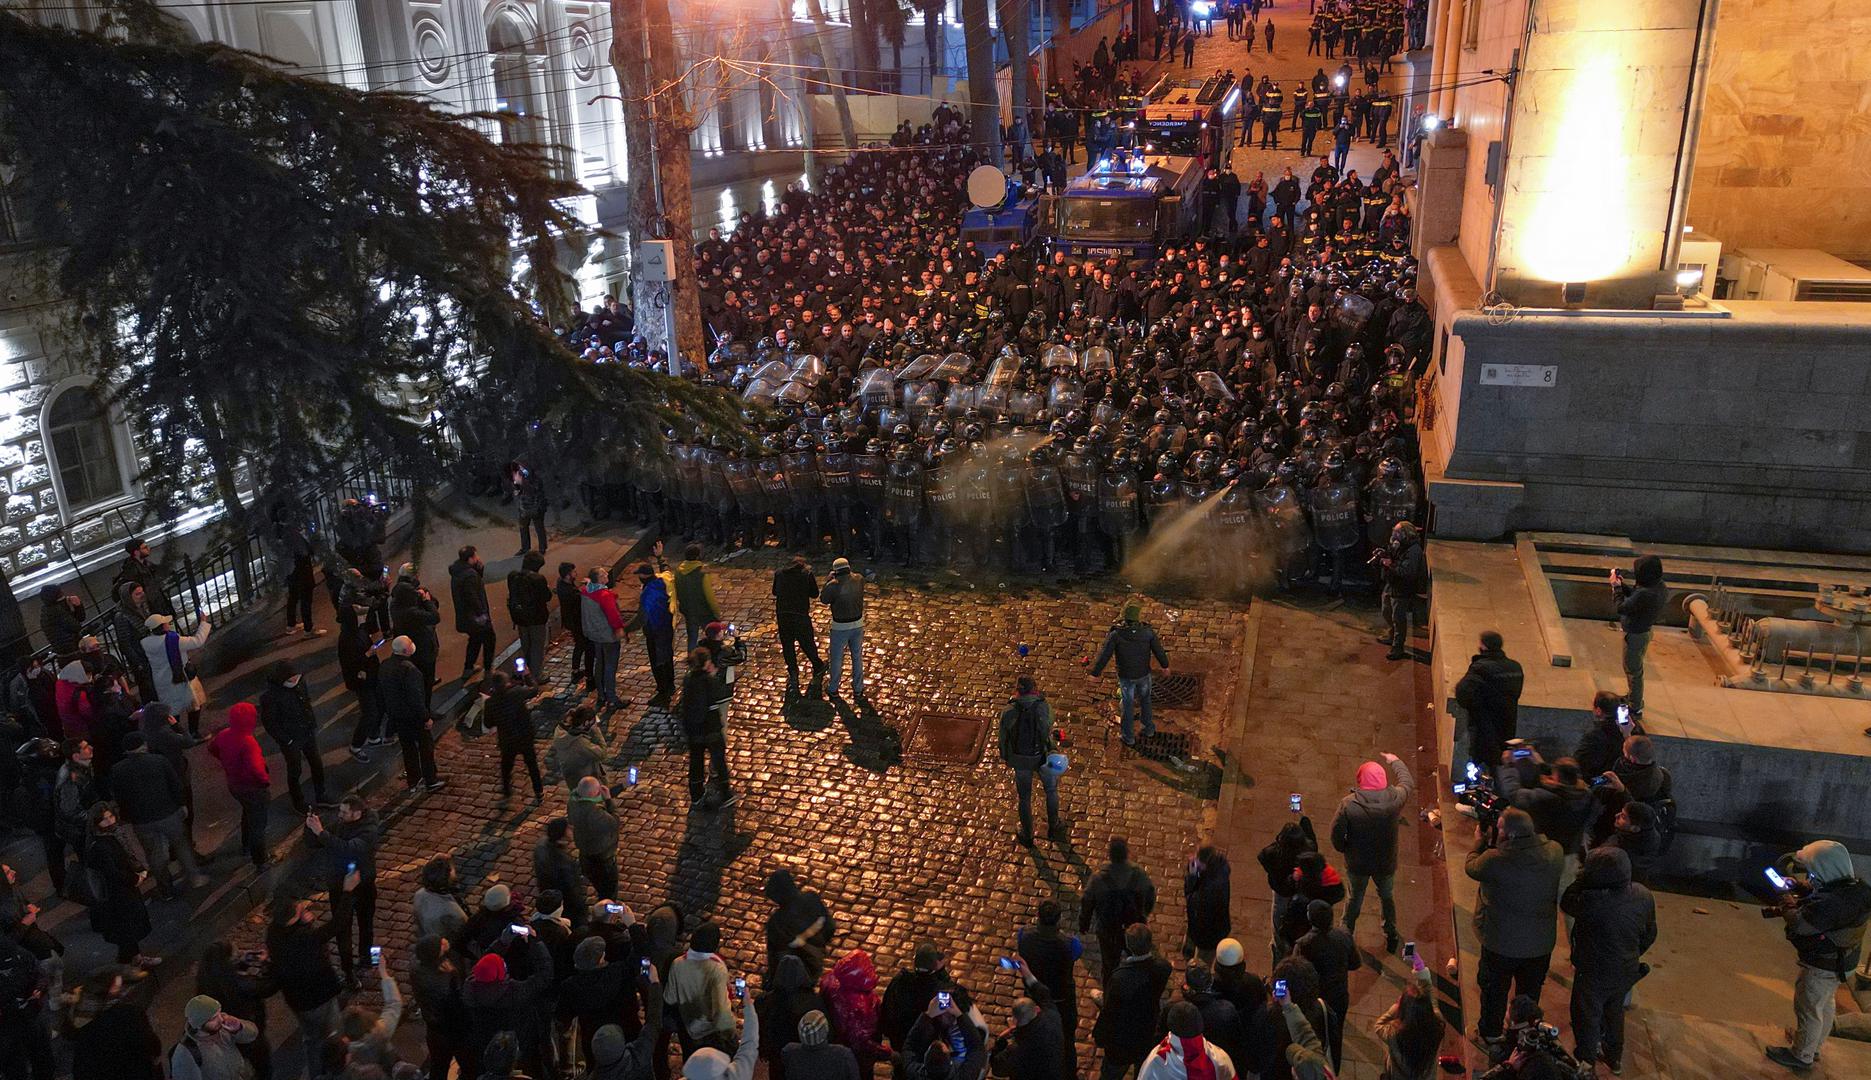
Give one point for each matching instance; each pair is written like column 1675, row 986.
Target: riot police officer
column 903, row 502
column 837, row 479
column 1046, row 509
column 808, row 493
column 871, row 469
column 1079, row 470
column 1118, row 516
column 1238, row 544
column 1391, row 498
column 1289, row 539
column 1334, row 506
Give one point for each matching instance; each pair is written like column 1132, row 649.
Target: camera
column 1485, row 802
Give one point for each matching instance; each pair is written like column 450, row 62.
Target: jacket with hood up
column 1638, row 611
column 1365, row 828
column 1615, row 918
column 1828, row 926
column 239, row 752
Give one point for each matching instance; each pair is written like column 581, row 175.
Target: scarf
column 172, row 645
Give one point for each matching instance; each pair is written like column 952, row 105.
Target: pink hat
column 1372, row 777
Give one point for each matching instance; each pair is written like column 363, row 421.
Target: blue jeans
column 1134, row 694
column 852, row 641
column 1023, row 786
column 606, row 655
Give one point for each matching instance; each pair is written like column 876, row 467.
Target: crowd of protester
column 1238, row 410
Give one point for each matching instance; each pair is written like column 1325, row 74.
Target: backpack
column 1029, row 729
column 194, row 1051
column 1119, row 905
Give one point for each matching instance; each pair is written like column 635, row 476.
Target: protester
column 1117, row 897
column 1489, row 694
column 571, row 619
column 1134, row 644
column 529, row 605
column 241, row 986
column 1037, row 1045
column 574, row 755
column 349, row 847
column 654, row 618
column 210, row 1045
column 800, row 925
column 406, row 709
column 286, row 715
column 695, row 593
column 794, row 589
column 437, row 912
column 702, row 691
column 1639, row 607
column 299, row 947
column 1615, row 924
column 844, row 595
column 1027, row 740
column 601, row 623
column 1515, row 915
column 1051, row 956
column 1127, row 1006
column 1365, row 830
column 170, row 657
column 1207, row 897
column 507, row 712
column 248, row 781
column 594, row 833
column 467, row 587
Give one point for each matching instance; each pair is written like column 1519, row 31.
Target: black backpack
column 1029, row 729
column 1120, row 906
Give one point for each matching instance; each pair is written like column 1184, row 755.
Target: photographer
column 1639, row 606
column 1534, row 1050
column 1515, row 911
column 1825, row 920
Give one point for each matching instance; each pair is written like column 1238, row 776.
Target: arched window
column 83, row 442
column 518, row 70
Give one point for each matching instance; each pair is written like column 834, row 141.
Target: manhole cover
column 1161, row 746
column 1179, row 690
column 946, row 738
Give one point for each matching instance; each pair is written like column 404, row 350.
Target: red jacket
column 850, row 988
column 74, row 709
column 239, row 752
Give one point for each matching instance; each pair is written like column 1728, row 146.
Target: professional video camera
column 1538, row 1040
column 1478, row 794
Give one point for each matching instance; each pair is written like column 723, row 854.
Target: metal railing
column 232, row 576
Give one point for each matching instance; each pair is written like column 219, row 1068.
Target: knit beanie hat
column 707, row 1063
column 608, row 1045
column 1133, row 612
column 589, row 956
column 1372, row 777
column 200, row 1009
column 814, row 1029
column 496, row 898
column 489, row 968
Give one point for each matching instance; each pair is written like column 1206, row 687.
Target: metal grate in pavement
column 945, row 739
column 1181, row 690
column 1163, row 746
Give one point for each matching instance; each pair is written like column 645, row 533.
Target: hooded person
column 286, row 715
column 1279, row 860
column 850, row 992
column 497, row 1001
column 243, row 763
column 77, row 701
column 791, row 994
column 1639, row 607
column 1826, row 927
column 799, row 925
column 1365, row 830
column 1184, row 1054
column 1615, row 922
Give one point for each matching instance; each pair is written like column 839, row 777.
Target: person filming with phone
column 1640, row 603
column 1825, row 907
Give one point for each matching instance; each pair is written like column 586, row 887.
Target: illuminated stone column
column 1593, row 151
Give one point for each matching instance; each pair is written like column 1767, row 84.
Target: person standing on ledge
column 1639, row 606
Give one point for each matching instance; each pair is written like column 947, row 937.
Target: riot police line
column 1297, row 490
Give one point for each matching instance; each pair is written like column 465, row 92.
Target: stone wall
column 1752, row 431
column 1784, row 135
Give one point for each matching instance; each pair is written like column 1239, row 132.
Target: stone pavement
column 901, row 852
column 1318, row 700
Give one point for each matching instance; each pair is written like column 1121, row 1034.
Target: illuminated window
column 83, row 442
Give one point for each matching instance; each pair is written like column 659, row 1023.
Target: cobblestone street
column 901, row 852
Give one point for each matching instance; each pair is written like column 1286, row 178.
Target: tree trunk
column 1014, row 26
column 932, row 40
column 1061, row 32
column 983, row 94
column 657, row 125
column 846, row 128
column 802, row 95
column 864, row 48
